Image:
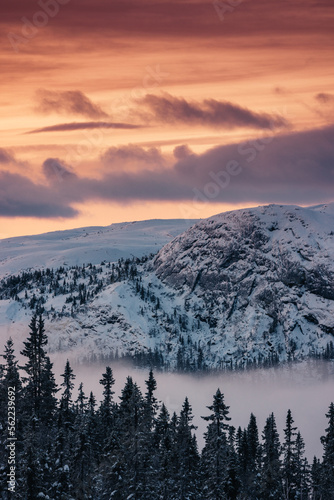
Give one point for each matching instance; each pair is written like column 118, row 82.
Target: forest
column 63, row 444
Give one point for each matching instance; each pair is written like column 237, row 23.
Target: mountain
column 87, row 244
column 242, row 288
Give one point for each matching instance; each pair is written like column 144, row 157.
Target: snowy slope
column 87, row 244
column 252, row 286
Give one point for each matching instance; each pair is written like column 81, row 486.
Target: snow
column 88, row 244
column 245, row 284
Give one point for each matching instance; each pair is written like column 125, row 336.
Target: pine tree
column 48, row 402
column 289, row 462
column 302, row 469
column 121, row 469
column 187, row 454
column 150, row 400
column 82, row 456
column 215, row 451
column 254, row 458
column 10, row 394
column 316, row 479
column 34, row 350
column 249, row 457
column 11, row 371
column 66, row 403
column 327, row 486
column 271, row 481
column 107, row 381
column 147, row 438
column 233, row 480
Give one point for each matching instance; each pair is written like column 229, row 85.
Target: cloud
column 133, row 155
column 295, row 168
column 20, row 197
column 6, row 157
column 181, row 152
column 189, row 18
column 324, row 98
column 209, row 112
column 56, row 171
column 290, row 168
column 68, row 102
column 67, row 127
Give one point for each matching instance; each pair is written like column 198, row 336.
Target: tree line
column 73, row 447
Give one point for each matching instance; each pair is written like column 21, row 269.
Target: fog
column 306, row 388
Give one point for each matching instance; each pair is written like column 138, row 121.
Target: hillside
column 87, row 244
column 243, row 288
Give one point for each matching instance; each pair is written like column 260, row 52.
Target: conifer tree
column 48, row 403
column 34, row 350
column 253, row 458
column 215, row 451
column 316, row 479
column 271, row 485
column 302, row 469
column 107, row 381
column 10, row 384
column 289, row 461
column 81, row 401
column 150, row 400
column 66, row 398
column 11, row 372
column 327, row 441
column 82, row 461
column 187, row 454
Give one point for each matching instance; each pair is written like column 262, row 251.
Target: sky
column 117, row 110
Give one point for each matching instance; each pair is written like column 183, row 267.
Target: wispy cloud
column 209, row 112
column 6, row 156
column 132, row 155
column 64, row 127
column 68, row 102
column 324, row 98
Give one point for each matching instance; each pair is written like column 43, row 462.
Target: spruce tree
column 271, row 478
column 187, row 455
column 34, row 350
column 66, row 403
column 328, row 457
column 316, row 479
column 10, row 394
column 11, row 372
column 215, row 451
column 49, row 389
column 254, row 458
column 302, row 469
column 289, row 461
column 107, row 381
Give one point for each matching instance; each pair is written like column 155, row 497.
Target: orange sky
column 145, row 77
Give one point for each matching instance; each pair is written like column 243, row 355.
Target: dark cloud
column 20, row 197
column 324, row 98
column 294, row 168
column 64, row 127
column 181, row 152
column 68, row 102
column 209, row 112
column 56, row 171
column 6, row 157
column 187, row 18
column 134, row 155
column 291, row 168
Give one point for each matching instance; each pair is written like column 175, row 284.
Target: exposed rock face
column 242, row 287
column 264, row 272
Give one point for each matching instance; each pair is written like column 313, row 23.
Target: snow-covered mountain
column 252, row 286
column 88, row 244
